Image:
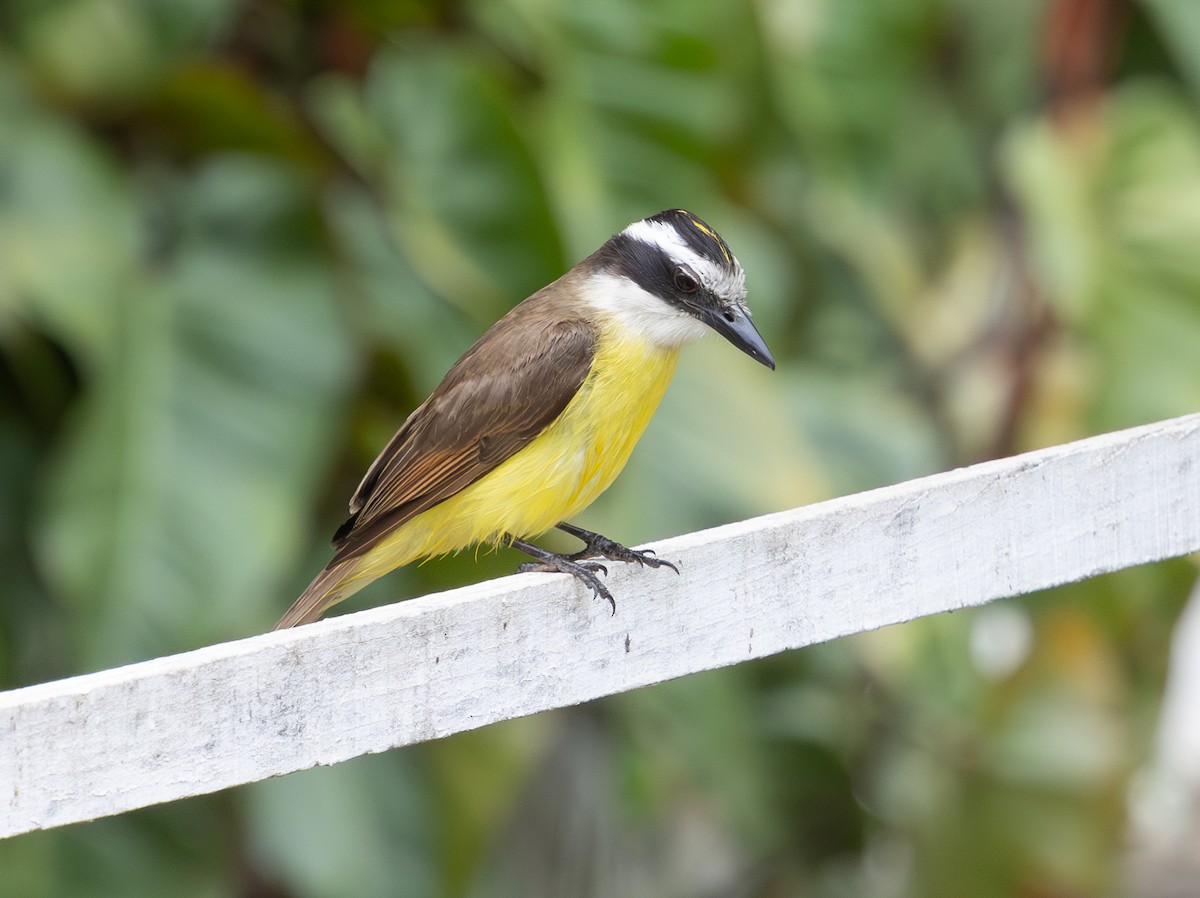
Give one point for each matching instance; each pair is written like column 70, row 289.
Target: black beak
column 734, row 324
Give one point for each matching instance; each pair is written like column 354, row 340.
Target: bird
column 540, row 415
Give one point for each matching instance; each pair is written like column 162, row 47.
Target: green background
column 239, row 242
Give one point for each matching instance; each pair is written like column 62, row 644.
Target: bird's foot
column 550, row 562
column 597, row 546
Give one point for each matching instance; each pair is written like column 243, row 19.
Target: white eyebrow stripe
column 666, row 238
column 719, row 279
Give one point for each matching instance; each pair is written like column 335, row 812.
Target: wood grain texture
column 194, row 723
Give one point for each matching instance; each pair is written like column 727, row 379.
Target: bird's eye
column 685, row 281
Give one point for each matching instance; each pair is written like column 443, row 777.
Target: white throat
column 643, row 314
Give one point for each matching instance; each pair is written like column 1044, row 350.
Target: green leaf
column 179, row 503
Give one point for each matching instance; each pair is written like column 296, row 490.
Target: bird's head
column 672, row 278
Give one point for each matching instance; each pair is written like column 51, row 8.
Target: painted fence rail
column 194, row 723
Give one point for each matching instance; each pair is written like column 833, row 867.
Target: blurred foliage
column 239, row 241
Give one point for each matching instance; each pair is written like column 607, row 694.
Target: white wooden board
column 194, row 723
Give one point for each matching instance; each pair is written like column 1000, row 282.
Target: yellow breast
column 558, row 474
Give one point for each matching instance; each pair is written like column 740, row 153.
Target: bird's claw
column 643, row 557
column 584, row 571
column 581, row 565
column 611, row 550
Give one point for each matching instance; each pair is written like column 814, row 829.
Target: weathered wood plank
column 228, row 714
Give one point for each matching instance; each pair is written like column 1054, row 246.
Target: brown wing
column 500, row 395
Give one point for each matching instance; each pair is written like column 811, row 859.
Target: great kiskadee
column 541, row 414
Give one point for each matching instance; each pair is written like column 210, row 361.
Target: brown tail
column 334, row 583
